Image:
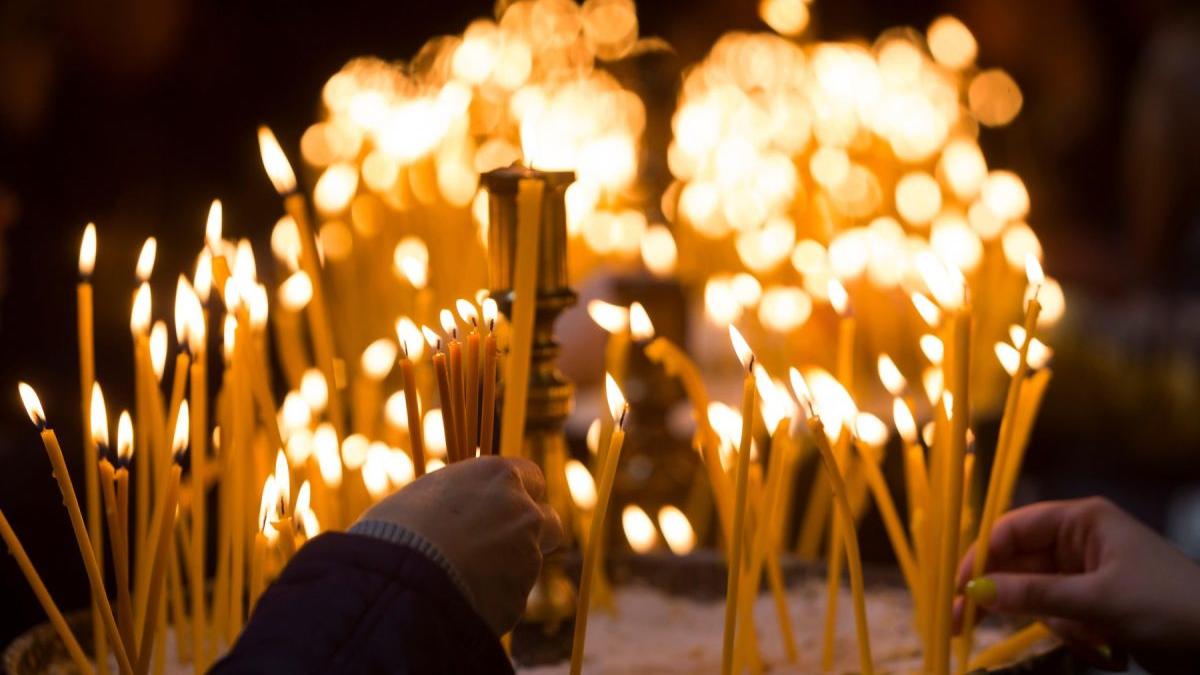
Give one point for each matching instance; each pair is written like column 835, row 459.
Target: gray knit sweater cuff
column 390, row 532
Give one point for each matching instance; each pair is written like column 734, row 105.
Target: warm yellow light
column 158, row 349
column 951, row 43
column 299, row 446
column 294, row 414
column 677, row 530
column 918, row 197
column 378, row 358
column 395, row 410
column 963, row 167
column 953, row 240
column 616, row 400
column 279, row 170
column 906, row 426
column 934, row 384
column 612, row 318
column 994, row 98
column 329, row 459
column 283, row 480
column 449, row 325
column 202, row 278
column 267, row 506
column 891, row 376
column 303, row 496
column 400, row 468
column 409, row 338
column 335, row 188
column 659, row 252
column 849, row 253
column 179, row 439
column 285, row 242
column 145, row 260
column 838, row 297
column 124, row 437
column 490, row 312
column 870, row 430
column 1004, row 194
column 830, row 400
column 1033, row 271
column 296, row 291
column 1008, row 356
column 741, row 348
column 639, row 529
column 800, row 388
column 746, row 289
column 139, row 318
column 87, row 251
column 467, row 312
column 411, row 260
column 948, row 404
column 720, row 302
column 1039, row 354
column 581, row 484
column 183, row 309
column 309, row 525
column 213, row 226
column 99, row 418
column 1052, row 300
column 592, row 439
column 932, row 348
column 946, row 285
column 1019, row 242
column 374, row 470
column 640, row 326
column 314, row 389
column 33, row 405
column 784, row 308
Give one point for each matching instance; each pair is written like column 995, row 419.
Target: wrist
column 402, row 536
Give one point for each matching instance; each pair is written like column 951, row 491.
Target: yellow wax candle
column 1032, row 392
column 43, row 597
column 487, row 403
column 87, row 375
column 34, row 407
column 446, row 396
column 471, row 389
column 416, row 433
column 177, row 606
column 165, row 521
column 734, row 561
column 192, row 331
column 119, row 554
column 144, row 383
column 524, row 304
column 835, row 555
column 1011, row 648
column 258, row 561
column 454, row 362
column 991, row 511
column 891, row 520
column 591, row 555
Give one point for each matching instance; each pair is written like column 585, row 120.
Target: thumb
column 1053, row 595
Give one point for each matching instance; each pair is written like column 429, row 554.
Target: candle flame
column 467, row 311
column 612, row 318
column 400, row 468
column 411, row 260
column 303, row 496
column 449, row 325
column 800, row 389
column 202, row 279
column 378, row 358
column 832, row 402
column 677, row 530
column 87, row 251
column 1008, row 356
column 870, row 430
column 1038, row 354
column 139, row 318
column 906, row 426
column 948, row 404
column 296, row 291
column 279, row 170
column 741, row 348
column 890, row 375
column 944, row 283
column 314, row 389
column 490, row 312
column 933, row 382
column 99, row 418
column 33, row 405
column 1033, row 271
column 776, row 404
column 409, row 337
column 145, row 260
column 294, row 414
column 309, row 524
column 932, row 348
column 616, row 400
column 929, row 311
column 581, row 485
column 179, row 440
column 124, row 437
column 266, row 508
column 592, row 439
column 640, row 326
column 233, row 296
column 639, row 529
column 431, row 336
column 213, row 226
column 838, row 297
column 374, row 472
column 435, row 433
column 158, row 349
column 283, row 479
column 329, row 460
column 183, row 309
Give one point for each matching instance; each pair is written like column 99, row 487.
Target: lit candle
column 618, row 409
column 466, row 310
column 734, row 561
column 887, row 512
column 33, row 406
column 43, row 597
column 99, row 423
column 524, row 304
column 279, row 170
column 849, row 537
column 454, row 359
column 410, row 347
column 283, row 522
column 139, row 324
column 264, row 539
column 165, row 513
column 614, row 320
column 445, row 395
column 488, row 403
column 121, row 532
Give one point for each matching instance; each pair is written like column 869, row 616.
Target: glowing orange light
column 279, row 170
column 87, row 251
column 640, row 326
column 99, row 418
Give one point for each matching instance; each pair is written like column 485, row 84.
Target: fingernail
column 982, row 591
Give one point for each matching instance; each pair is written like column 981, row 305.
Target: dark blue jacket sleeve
column 353, row 604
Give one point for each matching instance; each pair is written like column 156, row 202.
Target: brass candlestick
column 550, row 393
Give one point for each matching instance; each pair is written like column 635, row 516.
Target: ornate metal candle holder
column 550, row 393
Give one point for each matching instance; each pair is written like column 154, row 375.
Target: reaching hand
column 1097, row 577
column 488, row 518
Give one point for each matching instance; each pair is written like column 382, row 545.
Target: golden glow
column 946, row 285
column 1052, row 300
column 374, row 471
column 145, row 260
column 99, row 418
column 906, row 426
column 279, row 170
column 934, row 383
column 267, row 506
column 784, row 308
column 411, row 260
column 800, row 388
column 449, row 325
column 303, row 495
column 124, row 437
column 639, row 529
column 890, row 375
column 786, row 17
column 610, row 317
column 158, row 349
column 409, row 338
column 296, row 291
column 676, row 530
column 1019, row 242
column 581, row 484
column 490, row 312
column 395, row 410
column 299, row 446
column 1004, row 194
column 202, row 279
column 467, row 312
column 1008, row 356
column 1039, row 354
column 948, row 404
column 616, row 400
column 951, row 43
column 33, row 405
column 1033, row 271
column 212, row 227
column 314, row 389
column 87, row 251
column 932, row 348
column 139, row 318
column 963, row 167
column 592, row 439
column 838, row 298
column 179, row 439
column 378, row 358
column 335, row 188
column 640, row 326
column 400, row 468
column 329, row 459
column 285, row 242
column 720, row 302
column 294, row 414
column 741, row 348
column 283, row 480
column 918, row 197
column 659, row 252
column 435, row 433
column 870, row 430
column 431, row 337
column 994, row 98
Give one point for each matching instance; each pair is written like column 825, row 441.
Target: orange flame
column 279, row 170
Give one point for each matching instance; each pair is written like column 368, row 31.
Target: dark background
column 136, row 113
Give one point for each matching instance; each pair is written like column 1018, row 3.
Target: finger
column 1027, row 530
column 551, row 535
column 1042, row 562
column 1050, row 595
column 530, row 476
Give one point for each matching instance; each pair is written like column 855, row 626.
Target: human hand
column 1097, row 577
column 488, row 518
